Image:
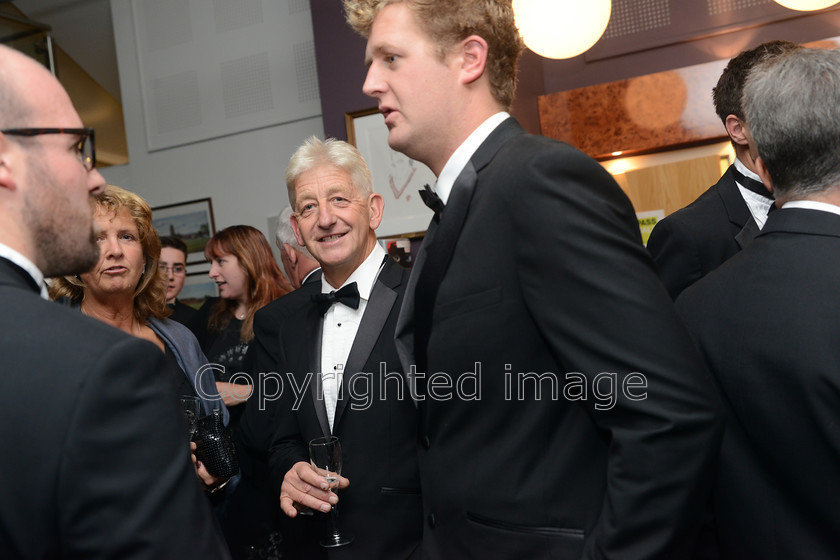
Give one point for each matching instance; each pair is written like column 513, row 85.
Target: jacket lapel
column 404, row 332
column 737, row 209
column 314, row 332
column 13, row 275
column 378, row 308
column 439, row 251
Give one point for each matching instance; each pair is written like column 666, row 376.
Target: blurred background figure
column 248, row 278
column 298, row 262
column 173, row 263
column 243, row 267
column 126, row 290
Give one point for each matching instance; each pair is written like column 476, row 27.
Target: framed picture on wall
column 190, row 221
column 197, row 288
column 396, row 177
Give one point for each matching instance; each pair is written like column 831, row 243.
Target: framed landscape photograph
column 191, row 221
column 197, row 288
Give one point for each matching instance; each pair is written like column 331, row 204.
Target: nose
column 170, row 273
column 373, row 85
column 96, row 182
column 326, row 217
column 112, row 246
column 214, row 270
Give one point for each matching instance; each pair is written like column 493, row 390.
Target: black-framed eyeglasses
column 85, row 146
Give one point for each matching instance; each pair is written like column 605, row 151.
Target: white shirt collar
column 746, row 172
column 27, row 265
column 813, row 205
column 364, row 276
column 462, row 155
column 757, row 204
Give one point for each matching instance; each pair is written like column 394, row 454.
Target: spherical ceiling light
column 806, row 5
column 561, row 28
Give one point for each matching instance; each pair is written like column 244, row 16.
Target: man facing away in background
column 768, row 323
column 697, row 239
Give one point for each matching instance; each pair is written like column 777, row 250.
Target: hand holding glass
column 325, row 455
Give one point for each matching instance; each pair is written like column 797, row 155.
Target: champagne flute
column 325, row 455
column 192, row 409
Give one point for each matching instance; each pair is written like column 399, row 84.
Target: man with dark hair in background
column 697, row 239
column 173, row 262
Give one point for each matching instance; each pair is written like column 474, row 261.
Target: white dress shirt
column 8, row 253
column 758, row 205
column 462, row 155
column 341, row 323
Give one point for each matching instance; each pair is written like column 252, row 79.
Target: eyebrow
column 374, row 50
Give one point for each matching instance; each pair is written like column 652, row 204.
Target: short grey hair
column 285, row 234
column 315, row 152
column 792, row 105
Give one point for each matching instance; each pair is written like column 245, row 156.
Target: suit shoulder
column 705, row 218
column 288, row 304
column 708, row 205
column 77, row 343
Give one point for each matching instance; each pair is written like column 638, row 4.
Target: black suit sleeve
column 268, row 425
column 612, row 315
column 675, row 255
column 127, row 484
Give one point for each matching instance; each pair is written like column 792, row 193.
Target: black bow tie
column 348, row 295
column 432, row 200
column 751, row 184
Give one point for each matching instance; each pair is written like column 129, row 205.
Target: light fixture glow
column 806, row 5
column 561, row 28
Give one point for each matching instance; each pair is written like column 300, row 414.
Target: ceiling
column 83, row 29
column 86, row 64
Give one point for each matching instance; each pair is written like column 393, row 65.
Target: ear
column 735, row 127
column 296, row 228
column 474, row 58
column 761, row 169
column 7, row 181
column 377, row 206
column 291, row 253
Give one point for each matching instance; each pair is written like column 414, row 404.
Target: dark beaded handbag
column 214, row 446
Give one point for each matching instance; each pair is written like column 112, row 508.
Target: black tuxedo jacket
column 767, row 323
column 182, row 312
column 697, row 239
column 378, row 436
column 95, row 455
column 549, row 278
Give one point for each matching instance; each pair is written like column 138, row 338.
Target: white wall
column 242, row 172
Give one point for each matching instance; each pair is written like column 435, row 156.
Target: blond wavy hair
column 447, row 22
column 150, row 293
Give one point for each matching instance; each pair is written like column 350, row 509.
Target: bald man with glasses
column 95, row 461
